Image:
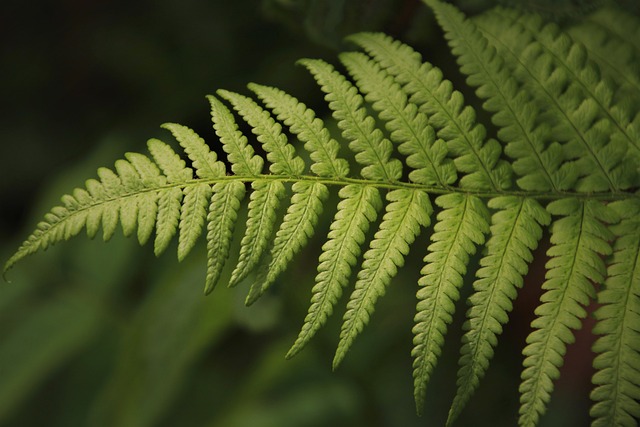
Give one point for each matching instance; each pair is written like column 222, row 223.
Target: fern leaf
column 94, row 191
column 454, row 122
column 408, row 127
column 234, row 143
column 616, row 382
column 406, row 213
column 297, row 227
column 513, row 109
column 131, row 183
column 192, row 217
column 168, row 218
column 578, row 239
column 619, row 23
column 147, row 202
column 573, row 58
column 204, row 161
column 309, row 129
column 265, row 200
column 359, row 207
column 221, row 219
column 281, row 154
column 461, row 226
column 120, row 196
column 372, row 149
column 171, row 165
column 515, row 232
column 147, row 215
column 570, row 97
column 111, row 185
column 614, row 55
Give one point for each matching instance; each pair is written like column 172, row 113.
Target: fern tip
column 208, row 288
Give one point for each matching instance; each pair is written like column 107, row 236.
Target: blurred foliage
column 106, row 335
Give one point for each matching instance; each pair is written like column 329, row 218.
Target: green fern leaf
column 573, row 58
column 408, row 127
column 571, row 136
column 515, row 232
column 514, row 111
column 359, row 208
column 454, row 122
column 169, row 204
column 461, row 226
column 85, row 198
column 197, row 198
column 372, row 149
column 111, row 185
column 302, row 122
column 614, row 55
column 579, row 240
column 204, row 161
column 616, row 381
column 192, row 216
column 297, row 227
column 147, row 202
column 406, row 213
column 560, row 76
column 234, row 143
column 265, row 200
column 281, row 154
column 221, row 220
column 173, row 167
column 619, row 23
column 131, row 183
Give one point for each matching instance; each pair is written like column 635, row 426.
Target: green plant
column 568, row 161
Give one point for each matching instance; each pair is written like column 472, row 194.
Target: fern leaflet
column 461, row 226
column 617, row 387
column 406, row 213
column 575, row 262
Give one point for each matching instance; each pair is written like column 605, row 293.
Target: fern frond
column 171, row 165
column 615, row 57
column 514, row 112
column 455, row 123
column 168, row 218
column 578, row 239
column 407, row 212
column 281, row 154
column 461, row 226
column 239, row 153
column 619, row 23
column 223, row 212
column 197, row 198
column 297, row 227
column 617, row 381
column 372, row 149
column 582, row 71
column 515, row 231
column 264, row 203
column 131, row 183
column 357, row 210
column 115, row 198
column 571, row 137
column 204, row 161
column 147, row 202
column 192, row 216
column 302, row 122
column 408, row 127
column 572, row 98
